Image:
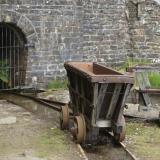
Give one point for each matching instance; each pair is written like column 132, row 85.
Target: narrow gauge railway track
column 15, row 97
column 108, row 151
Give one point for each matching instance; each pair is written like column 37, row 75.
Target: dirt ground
column 142, row 139
column 25, row 136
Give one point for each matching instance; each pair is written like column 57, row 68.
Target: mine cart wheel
column 119, row 137
column 64, row 117
column 79, row 129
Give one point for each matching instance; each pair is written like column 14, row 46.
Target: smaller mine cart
column 97, row 100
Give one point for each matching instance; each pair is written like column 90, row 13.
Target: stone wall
column 68, row 30
column 144, row 29
column 104, row 31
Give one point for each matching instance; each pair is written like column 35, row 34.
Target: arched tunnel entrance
column 13, row 56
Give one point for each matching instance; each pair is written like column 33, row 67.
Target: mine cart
column 97, row 100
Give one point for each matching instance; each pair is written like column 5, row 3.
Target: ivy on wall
column 4, row 71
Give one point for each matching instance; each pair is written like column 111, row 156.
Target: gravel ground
column 26, row 136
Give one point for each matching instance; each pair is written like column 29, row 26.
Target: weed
column 131, row 62
column 154, row 79
column 4, row 71
column 58, row 84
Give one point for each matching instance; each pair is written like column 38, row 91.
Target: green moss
column 58, row 84
column 144, row 140
column 50, row 143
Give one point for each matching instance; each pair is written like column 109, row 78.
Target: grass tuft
column 154, row 79
column 143, row 140
column 131, row 62
column 58, row 84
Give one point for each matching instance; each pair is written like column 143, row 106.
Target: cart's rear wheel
column 79, row 130
column 119, row 137
column 64, row 117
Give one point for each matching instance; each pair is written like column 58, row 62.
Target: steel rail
column 127, row 155
column 121, row 144
column 118, row 148
column 55, row 105
column 127, row 151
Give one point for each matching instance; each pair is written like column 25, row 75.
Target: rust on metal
column 80, row 128
column 98, row 93
column 98, row 73
column 64, row 118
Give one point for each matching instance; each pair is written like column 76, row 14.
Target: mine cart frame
column 98, row 97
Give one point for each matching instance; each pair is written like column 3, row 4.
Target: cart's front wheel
column 64, row 117
column 79, row 129
column 119, row 137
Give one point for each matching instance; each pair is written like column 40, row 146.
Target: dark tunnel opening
column 13, row 56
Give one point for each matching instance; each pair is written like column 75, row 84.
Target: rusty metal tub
column 97, row 99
